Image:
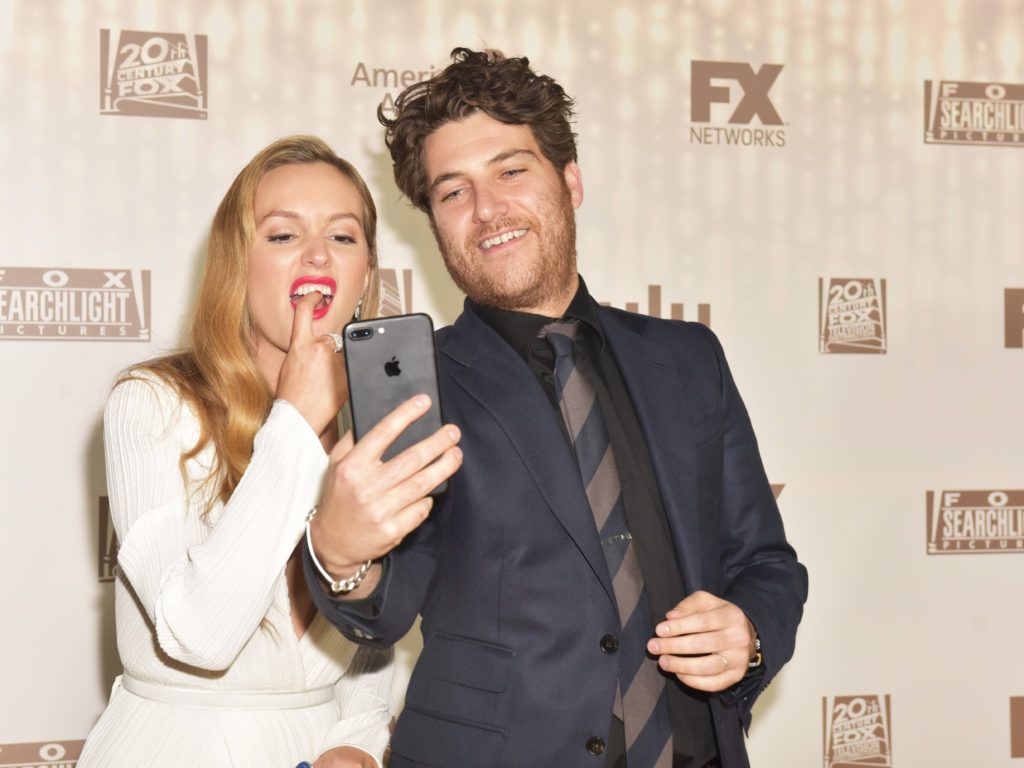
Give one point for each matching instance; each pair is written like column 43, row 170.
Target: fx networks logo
column 857, row 731
column 392, row 293
column 741, row 93
column 975, row 522
column 675, row 309
column 957, row 112
column 43, row 754
column 107, row 555
column 851, row 315
column 152, row 74
column 74, row 304
column 1015, row 318
column 1017, row 726
column 394, row 80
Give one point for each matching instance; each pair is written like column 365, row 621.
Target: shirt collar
column 520, row 329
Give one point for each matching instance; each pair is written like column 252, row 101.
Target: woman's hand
column 345, row 757
column 313, row 375
column 368, row 505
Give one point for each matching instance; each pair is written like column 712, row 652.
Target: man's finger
column 342, row 447
column 416, row 457
column 302, row 322
column 689, row 645
column 372, row 445
column 428, row 478
column 695, row 603
column 705, row 621
column 711, row 665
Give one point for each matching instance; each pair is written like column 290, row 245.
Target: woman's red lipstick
column 328, row 296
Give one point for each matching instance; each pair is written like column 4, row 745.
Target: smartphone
column 389, row 360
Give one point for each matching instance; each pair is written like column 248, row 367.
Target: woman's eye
column 283, row 237
column 348, row 239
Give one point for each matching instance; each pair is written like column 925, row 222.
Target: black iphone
column 389, row 360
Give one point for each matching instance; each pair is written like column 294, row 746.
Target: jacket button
column 595, row 745
column 609, row 643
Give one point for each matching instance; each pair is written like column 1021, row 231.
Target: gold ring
column 725, row 661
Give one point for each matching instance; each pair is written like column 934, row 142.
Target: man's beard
column 535, row 283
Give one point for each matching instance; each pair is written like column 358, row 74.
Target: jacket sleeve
column 205, row 588
column 364, row 696
column 762, row 574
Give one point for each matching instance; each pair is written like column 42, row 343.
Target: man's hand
column 345, row 757
column 705, row 641
column 369, row 505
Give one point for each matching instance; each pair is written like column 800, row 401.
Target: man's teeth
column 307, row 288
column 504, row 238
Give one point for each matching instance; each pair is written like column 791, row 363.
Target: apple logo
column 391, row 367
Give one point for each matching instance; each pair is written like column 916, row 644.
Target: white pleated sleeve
column 364, row 696
column 205, row 598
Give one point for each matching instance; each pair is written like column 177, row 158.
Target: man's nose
column 488, row 203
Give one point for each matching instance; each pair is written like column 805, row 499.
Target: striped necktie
column 641, row 700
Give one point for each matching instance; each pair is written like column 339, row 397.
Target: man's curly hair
column 485, row 81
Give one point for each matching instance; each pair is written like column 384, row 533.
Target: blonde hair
column 216, row 372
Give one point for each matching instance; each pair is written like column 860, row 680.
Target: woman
column 215, row 456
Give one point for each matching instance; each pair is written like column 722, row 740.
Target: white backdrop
column 748, row 228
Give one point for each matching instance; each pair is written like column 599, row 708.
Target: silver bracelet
column 344, row 586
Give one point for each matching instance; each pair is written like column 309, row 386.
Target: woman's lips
column 325, row 286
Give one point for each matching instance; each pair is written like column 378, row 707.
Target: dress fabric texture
column 202, row 604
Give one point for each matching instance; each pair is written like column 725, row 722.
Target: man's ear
column 574, row 182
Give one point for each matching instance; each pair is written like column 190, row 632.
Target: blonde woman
column 215, row 456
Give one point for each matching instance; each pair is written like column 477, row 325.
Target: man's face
column 503, row 215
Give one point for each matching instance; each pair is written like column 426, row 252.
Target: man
column 606, row 580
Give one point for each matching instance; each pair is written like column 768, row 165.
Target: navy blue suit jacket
column 508, row 572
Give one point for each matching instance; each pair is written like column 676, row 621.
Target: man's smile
column 496, row 241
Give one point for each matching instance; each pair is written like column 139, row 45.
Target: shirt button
column 595, row 745
column 609, row 643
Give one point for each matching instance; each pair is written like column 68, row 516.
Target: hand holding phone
column 378, row 484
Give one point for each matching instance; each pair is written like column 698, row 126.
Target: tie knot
column 560, row 336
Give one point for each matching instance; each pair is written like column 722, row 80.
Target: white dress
column 204, row 625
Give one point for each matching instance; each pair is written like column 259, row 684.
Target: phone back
column 389, row 360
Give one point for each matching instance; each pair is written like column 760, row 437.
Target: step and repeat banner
column 836, row 188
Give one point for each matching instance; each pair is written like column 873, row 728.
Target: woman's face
column 309, row 237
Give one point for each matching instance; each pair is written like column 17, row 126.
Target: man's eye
column 451, row 195
column 511, row 173
column 283, row 237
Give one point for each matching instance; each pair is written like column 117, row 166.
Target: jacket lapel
column 654, row 382
column 491, row 372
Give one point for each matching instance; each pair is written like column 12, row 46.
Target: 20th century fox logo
column 857, row 731
column 851, row 315
column 74, row 304
column 975, row 522
column 152, row 74
column 958, row 112
column 741, row 95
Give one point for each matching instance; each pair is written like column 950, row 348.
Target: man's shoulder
column 659, row 329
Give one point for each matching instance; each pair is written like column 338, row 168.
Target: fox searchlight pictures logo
column 74, row 304
column 42, row 754
column 743, row 93
column 153, row 74
column 975, row 522
column 986, row 114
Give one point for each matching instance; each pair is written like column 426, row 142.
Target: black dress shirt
column 692, row 729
